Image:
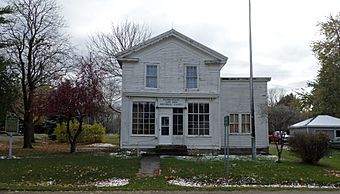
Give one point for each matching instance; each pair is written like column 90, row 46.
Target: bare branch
column 104, row 47
column 38, row 47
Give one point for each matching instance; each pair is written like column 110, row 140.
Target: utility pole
column 252, row 115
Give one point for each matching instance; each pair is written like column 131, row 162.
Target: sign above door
column 171, row 102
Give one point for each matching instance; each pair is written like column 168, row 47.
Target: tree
column 104, row 47
column 38, row 49
column 282, row 112
column 77, row 99
column 7, row 90
column 7, row 79
column 325, row 94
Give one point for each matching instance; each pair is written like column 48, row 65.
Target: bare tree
column 275, row 95
column 38, row 48
column 104, row 47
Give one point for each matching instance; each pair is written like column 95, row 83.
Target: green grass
column 64, row 169
column 251, row 172
column 34, row 170
column 112, row 139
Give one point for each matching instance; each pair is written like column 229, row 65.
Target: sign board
column 171, row 102
column 12, row 125
column 226, row 121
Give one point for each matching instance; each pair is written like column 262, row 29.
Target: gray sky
column 282, row 30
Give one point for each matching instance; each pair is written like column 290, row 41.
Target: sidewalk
column 173, row 192
column 149, row 165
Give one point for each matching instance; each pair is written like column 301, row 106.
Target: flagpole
column 252, row 115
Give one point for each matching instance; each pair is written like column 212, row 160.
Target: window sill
column 240, row 134
column 195, row 136
column 147, row 88
column 142, row 135
column 191, row 89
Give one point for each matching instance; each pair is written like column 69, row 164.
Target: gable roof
column 173, row 33
column 318, row 121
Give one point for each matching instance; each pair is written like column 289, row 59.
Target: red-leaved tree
column 77, row 98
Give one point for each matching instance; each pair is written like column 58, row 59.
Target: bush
column 310, row 147
column 90, row 134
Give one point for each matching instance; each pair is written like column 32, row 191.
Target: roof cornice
column 173, row 33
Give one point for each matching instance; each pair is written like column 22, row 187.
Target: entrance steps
column 171, row 150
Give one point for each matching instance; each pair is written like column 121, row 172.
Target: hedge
column 91, row 133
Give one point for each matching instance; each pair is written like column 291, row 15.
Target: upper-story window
column 191, row 77
column 151, row 76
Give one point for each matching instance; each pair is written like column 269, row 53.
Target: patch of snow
column 7, row 157
column 221, row 157
column 122, row 154
column 189, row 183
column 101, row 145
column 112, row 182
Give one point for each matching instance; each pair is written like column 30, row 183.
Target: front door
column 165, row 129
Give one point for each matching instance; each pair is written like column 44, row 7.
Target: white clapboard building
column 172, row 94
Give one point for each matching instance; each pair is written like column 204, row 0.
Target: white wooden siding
column 224, row 97
column 234, row 97
column 172, row 56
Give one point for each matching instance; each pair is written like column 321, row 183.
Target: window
column 233, row 123
column 245, row 123
column 151, row 76
column 143, row 118
column 337, row 133
column 239, row 123
column 198, row 119
column 177, row 121
column 191, row 77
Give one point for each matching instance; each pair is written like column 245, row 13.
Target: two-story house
column 172, row 94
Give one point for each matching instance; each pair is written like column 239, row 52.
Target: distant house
column 321, row 123
column 172, row 94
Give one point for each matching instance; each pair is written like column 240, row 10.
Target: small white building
column 321, row 123
column 172, row 94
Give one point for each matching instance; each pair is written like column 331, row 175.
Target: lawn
column 257, row 172
column 49, row 167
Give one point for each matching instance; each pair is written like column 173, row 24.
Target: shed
column 321, row 123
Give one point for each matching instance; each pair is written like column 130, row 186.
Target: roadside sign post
column 11, row 126
column 226, row 146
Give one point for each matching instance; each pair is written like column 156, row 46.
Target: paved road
column 184, row 192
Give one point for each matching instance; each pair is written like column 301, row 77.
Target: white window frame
column 240, row 123
column 185, row 76
column 244, row 123
column 234, row 123
column 177, row 115
column 132, row 117
column 198, row 114
column 145, row 75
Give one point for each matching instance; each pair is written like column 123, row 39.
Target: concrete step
column 171, row 150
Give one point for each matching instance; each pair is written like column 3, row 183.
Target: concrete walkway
column 150, row 165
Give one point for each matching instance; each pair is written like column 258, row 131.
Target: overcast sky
column 282, row 30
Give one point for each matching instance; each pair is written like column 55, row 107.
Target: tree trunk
column 28, row 129
column 28, row 119
column 73, row 145
column 32, row 138
column 279, row 148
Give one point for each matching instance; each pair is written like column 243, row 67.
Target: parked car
column 277, row 135
column 335, row 143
